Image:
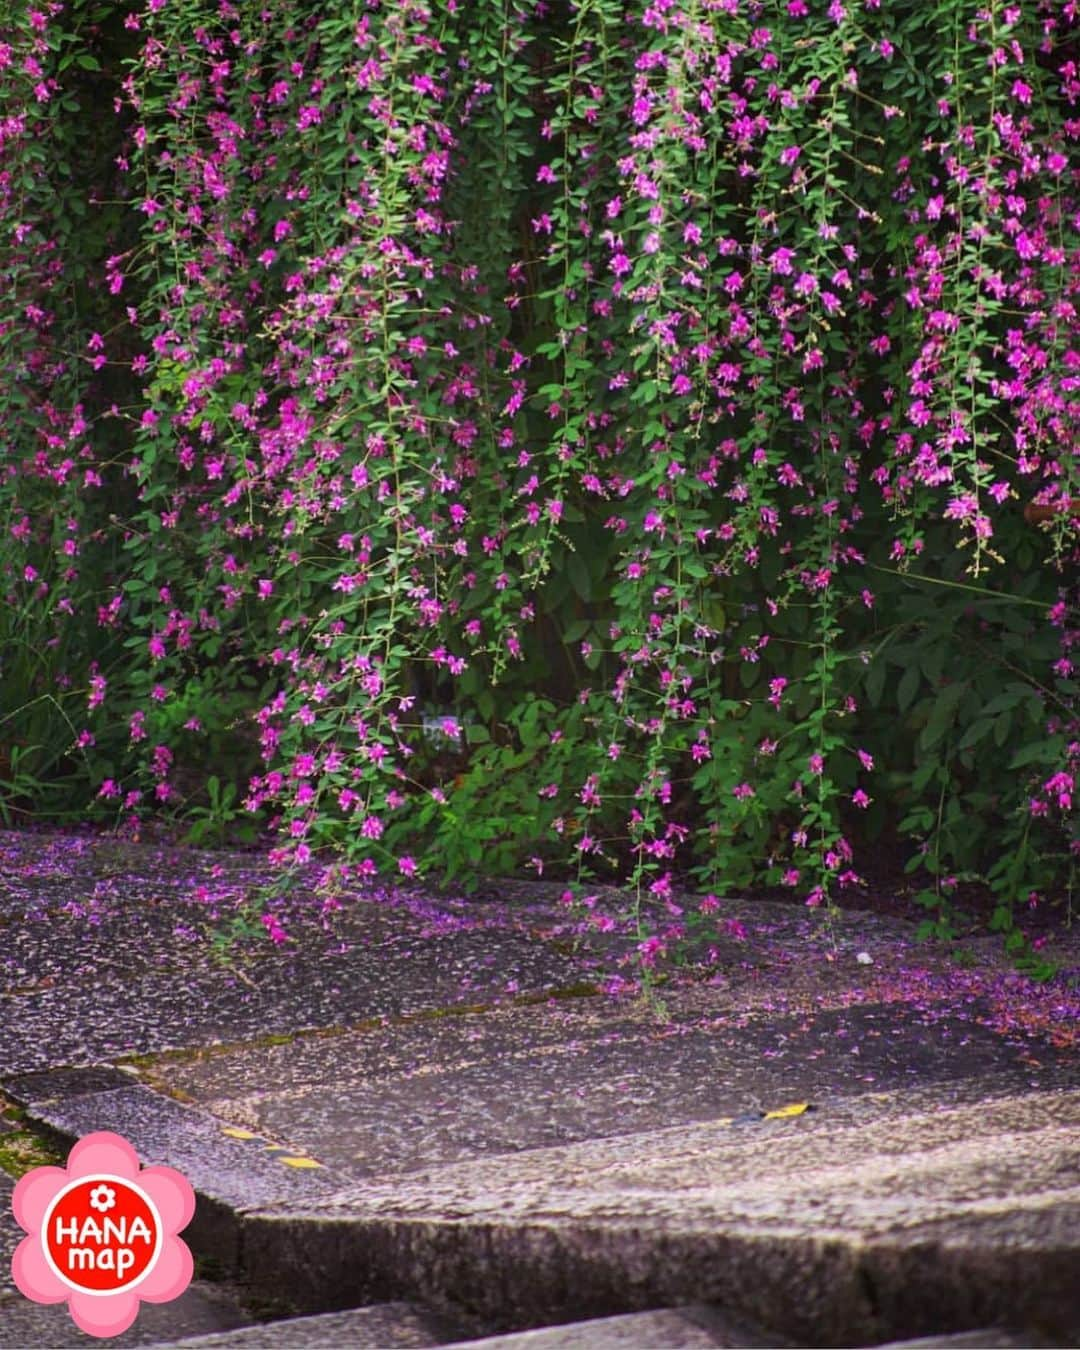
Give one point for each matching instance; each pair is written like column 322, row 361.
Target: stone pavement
column 433, row 1111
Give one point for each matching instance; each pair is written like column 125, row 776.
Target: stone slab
column 685, row 1327
column 58, row 1084
column 237, row 1171
column 987, row 1338
column 391, row 1325
column 386, row 1326
column 845, row 1227
column 33, row 1326
column 228, row 1173
column 415, row 1094
column 104, row 953
column 673, row 1328
column 111, row 1010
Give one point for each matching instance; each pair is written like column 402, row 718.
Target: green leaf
column 909, row 684
column 578, row 572
column 1009, row 699
column 1002, row 726
column 875, row 682
column 1039, row 752
column 942, row 715
column 932, row 661
column 975, row 732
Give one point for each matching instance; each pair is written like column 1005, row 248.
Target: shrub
column 646, row 389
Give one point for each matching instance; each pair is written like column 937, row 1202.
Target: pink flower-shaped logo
column 102, row 1234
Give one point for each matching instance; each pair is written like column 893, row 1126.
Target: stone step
column 382, row 1326
column 391, row 1325
column 904, row 1215
column 987, row 1338
column 875, row 1215
column 679, row 1328
column 202, row 1309
column 694, row 1327
column 132, row 982
column 685, row 1328
column 409, row 1096
column 231, row 1171
column 884, row 1213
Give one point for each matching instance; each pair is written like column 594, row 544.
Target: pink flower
column 274, row 930
column 650, row 949
column 104, row 1202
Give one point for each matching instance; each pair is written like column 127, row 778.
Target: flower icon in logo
column 103, row 1198
column 102, row 1234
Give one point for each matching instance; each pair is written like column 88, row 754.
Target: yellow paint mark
column 234, row 1133
column 782, row 1112
column 300, row 1162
